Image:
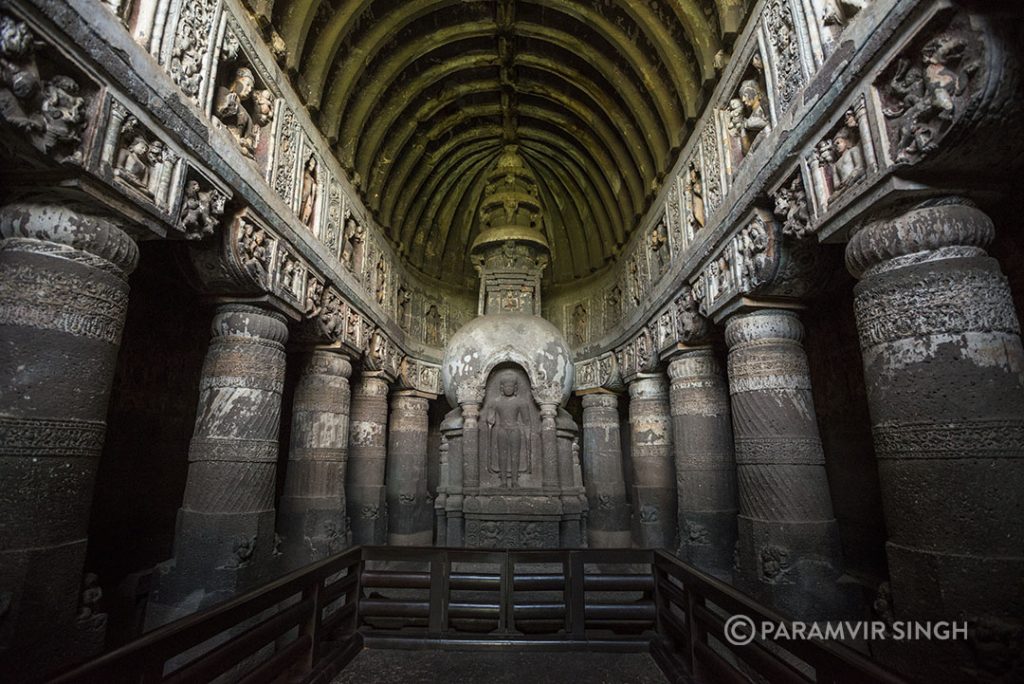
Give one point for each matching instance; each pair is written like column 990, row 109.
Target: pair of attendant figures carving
column 243, row 109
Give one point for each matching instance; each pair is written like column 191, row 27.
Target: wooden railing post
column 311, row 627
column 577, row 597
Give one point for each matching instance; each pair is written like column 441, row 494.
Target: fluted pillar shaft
column 654, row 477
column 367, row 442
column 603, row 477
column 705, row 466
column 789, row 553
column 63, row 300
column 410, row 508
column 314, row 516
column 224, row 539
column 944, row 372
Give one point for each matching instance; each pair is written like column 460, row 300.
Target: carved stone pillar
column 705, row 466
column 63, row 299
column 788, row 552
column 608, row 522
column 410, row 509
column 470, row 448
column 314, row 515
column 224, row 539
column 549, row 442
column 367, row 448
column 944, row 371
column 654, row 477
column 452, row 436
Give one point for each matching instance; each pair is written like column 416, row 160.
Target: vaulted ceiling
column 418, row 98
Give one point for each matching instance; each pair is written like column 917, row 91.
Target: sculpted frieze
column 137, row 159
column 791, row 208
column 784, row 44
column 46, row 105
column 188, row 61
column 202, row 208
column 928, row 87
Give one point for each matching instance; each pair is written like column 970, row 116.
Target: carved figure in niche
column 849, row 165
column 510, row 301
column 352, row 245
column 432, row 328
column 752, row 248
column 753, row 99
column 636, row 285
column 310, row 191
column 314, row 294
column 288, row 272
column 690, row 325
column 253, row 250
column 381, row 290
column 507, row 419
column 404, row 308
column 331, row 316
column 133, row 162
column 695, row 187
column 579, row 325
column 791, row 207
column 200, row 211
column 775, row 565
column 263, row 102
column 659, row 246
column 230, row 108
column 613, row 300
column 63, row 112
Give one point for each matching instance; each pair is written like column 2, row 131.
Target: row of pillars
column 728, row 467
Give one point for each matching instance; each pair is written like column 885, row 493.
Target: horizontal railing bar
column 279, row 662
column 332, row 621
column 224, row 656
column 723, row 670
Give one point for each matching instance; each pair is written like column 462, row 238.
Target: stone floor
column 383, row 666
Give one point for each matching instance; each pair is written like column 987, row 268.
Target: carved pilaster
column 409, row 502
column 224, row 540
column 944, row 371
column 63, row 300
column 603, row 475
column 705, row 466
column 314, row 517
column 367, row 504
column 654, row 477
column 789, row 554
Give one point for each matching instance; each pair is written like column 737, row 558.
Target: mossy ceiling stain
column 418, row 98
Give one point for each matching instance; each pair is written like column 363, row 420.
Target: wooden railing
column 692, row 610
column 306, row 626
column 301, row 626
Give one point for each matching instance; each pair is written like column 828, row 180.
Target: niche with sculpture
column 242, row 103
column 509, row 432
column 747, row 114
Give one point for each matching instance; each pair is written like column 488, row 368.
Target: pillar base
column 368, row 514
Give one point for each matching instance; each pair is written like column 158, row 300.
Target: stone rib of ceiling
column 419, row 96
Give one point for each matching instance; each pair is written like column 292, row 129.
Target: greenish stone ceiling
column 418, row 98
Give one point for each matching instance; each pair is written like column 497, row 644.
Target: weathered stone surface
column 225, row 539
column 654, row 476
column 705, row 466
column 410, row 508
column 313, row 520
column 788, row 550
column 944, row 368
column 367, row 447
column 63, row 298
column 608, row 521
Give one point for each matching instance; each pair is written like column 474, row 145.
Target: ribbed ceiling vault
column 419, row 96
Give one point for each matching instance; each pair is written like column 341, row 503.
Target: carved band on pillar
column 63, row 300
column 654, row 477
column 224, row 540
column 608, row 522
column 789, row 553
column 944, row 370
column 410, row 508
column 367, row 504
column 705, row 466
column 314, row 517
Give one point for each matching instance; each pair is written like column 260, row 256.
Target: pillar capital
column 373, row 383
column 927, row 231
column 601, row 399
column 237, row 319
column 57, row 224
column 648, row 386
column 763, row 324
column 693, row 361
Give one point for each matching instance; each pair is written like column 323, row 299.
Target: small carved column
column 654, row 477
column 410, row 508
column 608, row 522
column 471, row 448
column 705, row 466
column 549, row 445
column 944, row 371
column 63, row 299
column 788, row 552
column 452, row 437
column 367, row 447
column 225, row 535
column 314, row 515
